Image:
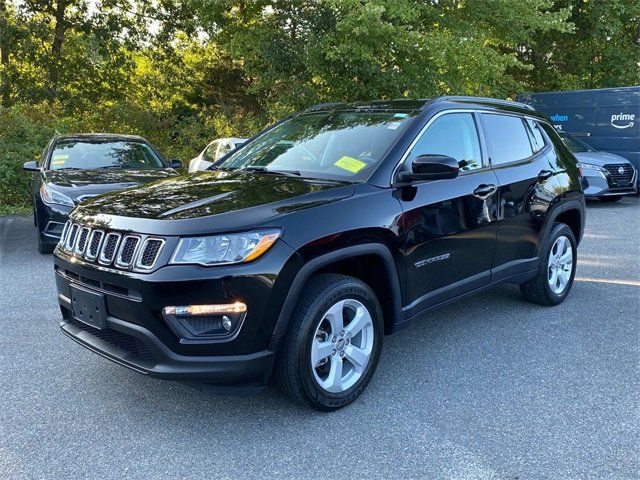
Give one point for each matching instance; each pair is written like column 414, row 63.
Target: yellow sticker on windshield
column 57, row 162
column 59, row 156
column 350, row 164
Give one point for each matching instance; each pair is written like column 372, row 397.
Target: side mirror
column 431, row 167
column 31, row 166
column 175, row 163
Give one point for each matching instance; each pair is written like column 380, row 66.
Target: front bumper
column 138, row 336
column 596, row 184
column 135, row 347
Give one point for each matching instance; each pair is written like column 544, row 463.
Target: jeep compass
column 294, row 255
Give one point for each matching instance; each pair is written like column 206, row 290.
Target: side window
column 454, row 135
column 224, row 149
column 209, row 154
column 537, row 139
column 507, row 138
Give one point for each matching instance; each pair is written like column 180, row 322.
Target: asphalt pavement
column 491, row 387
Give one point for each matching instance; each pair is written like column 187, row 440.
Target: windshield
column 91, row 154
column 334, row 146
column 576, row 145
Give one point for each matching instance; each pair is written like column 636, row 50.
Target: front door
column 449, row 226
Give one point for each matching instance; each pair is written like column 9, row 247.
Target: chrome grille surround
column 149, row 253
column 109, row 248
column 94, row 244
column 127, row 252
column 70, row 243
column 65, row 231
column 120, row 251
column 81, row 243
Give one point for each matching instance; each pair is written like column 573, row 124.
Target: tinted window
column 90, row 154
column 224, row 149
column 507, row 138
column 209, row 154
column 537, row 139
column 454, row 135
column 575, row 145
column 328, row 145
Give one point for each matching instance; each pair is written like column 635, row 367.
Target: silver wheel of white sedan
column 342, row 345
column 560, row 265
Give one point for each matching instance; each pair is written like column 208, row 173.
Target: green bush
column 24, row 132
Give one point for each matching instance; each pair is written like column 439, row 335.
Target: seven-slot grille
column 620, row 175
column 139, row 252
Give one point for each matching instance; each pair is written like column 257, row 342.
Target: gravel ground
column 489, row 388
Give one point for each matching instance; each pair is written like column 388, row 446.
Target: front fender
column 315, row 264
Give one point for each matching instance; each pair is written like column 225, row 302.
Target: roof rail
column 321, row 106
column 495, row 101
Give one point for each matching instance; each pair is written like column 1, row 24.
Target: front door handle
column 545, row 175
column 483, row 191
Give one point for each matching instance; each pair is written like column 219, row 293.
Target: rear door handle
column 545, row 175
column 483, row 191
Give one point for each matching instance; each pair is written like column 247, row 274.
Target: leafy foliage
column 182, row 72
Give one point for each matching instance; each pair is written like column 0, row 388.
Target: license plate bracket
column 88, row 307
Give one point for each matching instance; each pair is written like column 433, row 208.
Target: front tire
column 557, row 269
column 333, row 343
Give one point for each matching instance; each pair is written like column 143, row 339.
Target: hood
column 222, row 194
column 599, row 158
column 78, row 183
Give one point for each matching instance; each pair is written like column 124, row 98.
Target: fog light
column 202, row 323
column 237, row 307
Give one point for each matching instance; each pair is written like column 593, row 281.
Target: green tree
column 298, row 52
column 603, row 51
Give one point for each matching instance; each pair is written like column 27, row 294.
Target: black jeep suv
column 299, row 251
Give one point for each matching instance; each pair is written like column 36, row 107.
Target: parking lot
column 491, row 387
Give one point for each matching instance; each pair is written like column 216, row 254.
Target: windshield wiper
column 290, row 173
column 69, row 168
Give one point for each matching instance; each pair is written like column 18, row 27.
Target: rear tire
column 555, row 275
column 333, row 343
column 611, row 198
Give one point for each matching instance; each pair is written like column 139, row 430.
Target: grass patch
column 23, row 211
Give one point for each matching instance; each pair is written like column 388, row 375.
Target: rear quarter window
column 537, row 139
column 507, row 138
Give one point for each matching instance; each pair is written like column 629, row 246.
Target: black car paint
column 80, row 185
column 393, row 227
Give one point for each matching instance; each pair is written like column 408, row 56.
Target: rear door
column 518, row 154
column 449, row 226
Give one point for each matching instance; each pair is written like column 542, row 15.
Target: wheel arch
column 335, row 261
column 572, row 213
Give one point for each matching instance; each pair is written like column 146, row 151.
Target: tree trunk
column 4, row 54
column 59, row 31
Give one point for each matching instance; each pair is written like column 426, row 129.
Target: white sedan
column 214, row 151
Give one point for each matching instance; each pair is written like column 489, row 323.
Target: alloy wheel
column 560, row 265
column 342, row 345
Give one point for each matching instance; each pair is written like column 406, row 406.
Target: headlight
column 225, row 249
column 52, row 197
column 589, row 166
